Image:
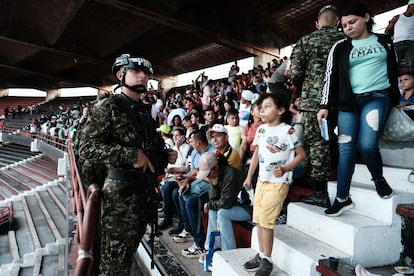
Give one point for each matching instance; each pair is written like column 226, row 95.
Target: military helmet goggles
column 127, row 61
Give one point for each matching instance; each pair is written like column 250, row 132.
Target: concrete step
column 20, row 173
column 397, row 154
column 48, row 170
column 12, row 185
column 230, row 263
column 23, row 238
column 364, row 238
column 32, row 170
column 296, row 253
column 396, row 177
column 7, row 191
column 37, row 246
column 47, row 162
column 5, row 256
column 44, row 261
column 26, row 183
column 44, row 228
column 59, row 197
column 368, row 203
column 48, row 207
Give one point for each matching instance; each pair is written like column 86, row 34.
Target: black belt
column 125, row 174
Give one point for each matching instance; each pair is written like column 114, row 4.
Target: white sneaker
column 193, row 252
column 184, row 236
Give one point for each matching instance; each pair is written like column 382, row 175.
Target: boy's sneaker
column 193, row 252
column 338, row 208
column 265, row 268
column 184, row 236
column 383, row 189
column 282, row 219
column 253, row 264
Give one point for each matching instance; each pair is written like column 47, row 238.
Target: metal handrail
column 84, row 263
column 48, row 139
column 87, row 209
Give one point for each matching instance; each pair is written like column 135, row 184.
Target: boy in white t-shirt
column 278, row 152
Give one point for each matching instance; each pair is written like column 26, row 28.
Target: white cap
column 250, row 96
column 217, row 128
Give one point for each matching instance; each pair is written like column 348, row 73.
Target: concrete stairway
column 37, row 244
column 369, row 235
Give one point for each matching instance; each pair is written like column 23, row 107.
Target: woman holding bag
column 361, row 82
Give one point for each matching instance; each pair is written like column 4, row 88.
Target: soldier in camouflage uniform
column 121, row 135
column 307, row 72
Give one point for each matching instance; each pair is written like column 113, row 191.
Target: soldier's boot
column 320, row 196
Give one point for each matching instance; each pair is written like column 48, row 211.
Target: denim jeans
column 169, row 192
column 190, row 210
column 222, row 219
column 360, row 131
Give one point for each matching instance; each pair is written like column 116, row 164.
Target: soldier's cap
column 166, row 129
column 410, row 2
column 330, row 8
column 207, row 161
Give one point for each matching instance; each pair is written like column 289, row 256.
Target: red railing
column 6, row 214
column 87, row 211
column 84, row 263
column 48, row 139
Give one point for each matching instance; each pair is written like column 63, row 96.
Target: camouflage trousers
column 124, row 219
column 318, row 159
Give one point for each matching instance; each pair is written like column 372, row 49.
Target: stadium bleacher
column 36, row 243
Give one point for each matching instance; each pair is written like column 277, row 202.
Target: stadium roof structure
column 72, row 43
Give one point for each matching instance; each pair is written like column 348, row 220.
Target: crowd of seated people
column 223, row 122
column 230, row 108
column 219, row 116
column 57, row 123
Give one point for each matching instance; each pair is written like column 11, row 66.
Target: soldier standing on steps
column 121, row 135
column 307, row 71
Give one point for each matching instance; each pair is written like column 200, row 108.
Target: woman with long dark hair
column 361, row 82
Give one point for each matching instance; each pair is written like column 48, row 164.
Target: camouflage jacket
column 308, row 64
column 110, row 138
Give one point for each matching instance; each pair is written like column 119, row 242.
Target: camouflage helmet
column 127, row 61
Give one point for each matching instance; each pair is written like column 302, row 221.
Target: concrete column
column 4, row 92
column 51, row 94
column 34, row 146
column 63, row 165
column 168, row 82
column 263, row 59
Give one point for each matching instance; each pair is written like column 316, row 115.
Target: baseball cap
column 166, row 129
column 217, row 128
column 330, row 8
column 250, row 96
column 207, row 161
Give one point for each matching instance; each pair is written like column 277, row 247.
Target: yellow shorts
column 268, row 202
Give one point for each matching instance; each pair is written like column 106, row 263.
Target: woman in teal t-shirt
column 361, row 83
